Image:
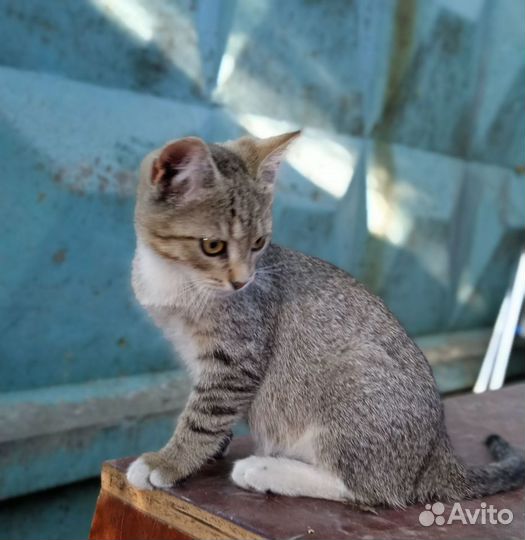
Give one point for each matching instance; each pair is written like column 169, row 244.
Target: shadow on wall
column 435, row 234
column 440, row 76
column 128, row 44
column 294, row 72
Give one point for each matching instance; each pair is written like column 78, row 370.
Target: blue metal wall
column 410, row 175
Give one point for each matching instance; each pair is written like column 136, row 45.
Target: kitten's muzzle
column 238, row 285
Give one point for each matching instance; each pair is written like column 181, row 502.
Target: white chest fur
column 188, row 348
column 160, row 285
column 157, row 282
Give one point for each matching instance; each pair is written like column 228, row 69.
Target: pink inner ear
column 178, row 157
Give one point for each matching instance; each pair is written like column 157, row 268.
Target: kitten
column 340, row 401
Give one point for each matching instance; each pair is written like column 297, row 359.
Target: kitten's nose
column 238, row 284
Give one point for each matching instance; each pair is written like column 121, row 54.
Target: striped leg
column 220, row 398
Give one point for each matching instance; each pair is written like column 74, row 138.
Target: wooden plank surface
column 210, row 506
column 116, row 519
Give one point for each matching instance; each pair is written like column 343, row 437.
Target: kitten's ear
column 263, row 156
column 182, row 169
column 270, row 154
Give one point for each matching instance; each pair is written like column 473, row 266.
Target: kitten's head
column 206, row 208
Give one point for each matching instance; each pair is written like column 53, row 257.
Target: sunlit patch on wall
column 235, row 45
column 384, row 218
column 165, row 32
column 131, row 14
column 326, row 162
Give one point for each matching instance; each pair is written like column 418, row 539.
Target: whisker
column 262, row 284
column 205, row 296
column 268, row 269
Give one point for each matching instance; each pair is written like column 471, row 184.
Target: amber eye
column 259, row 243
column 212, row 247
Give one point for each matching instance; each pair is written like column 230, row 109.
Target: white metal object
column 482, row 382
column 494, row 366
column 509, row 331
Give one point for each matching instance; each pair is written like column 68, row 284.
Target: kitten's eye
column 259, row 243
column 212, row 247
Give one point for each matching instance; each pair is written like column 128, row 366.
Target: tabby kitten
column 340, row 401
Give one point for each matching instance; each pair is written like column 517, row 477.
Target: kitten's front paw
column 138, row 474
column 153, row 470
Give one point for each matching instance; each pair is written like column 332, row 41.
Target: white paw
column 284, row 476
column 260, row 479
column 158, row 480
column 251, row 473
column 152, row 470
column 138, row 474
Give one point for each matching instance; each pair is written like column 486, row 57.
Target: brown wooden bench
column 209, row 506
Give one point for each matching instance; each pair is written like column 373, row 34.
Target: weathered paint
column 33, row 464
column 102, row 402
column 56, row 435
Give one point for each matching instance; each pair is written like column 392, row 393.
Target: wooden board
column 209, row 506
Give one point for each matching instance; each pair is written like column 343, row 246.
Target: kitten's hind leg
column 290, row 477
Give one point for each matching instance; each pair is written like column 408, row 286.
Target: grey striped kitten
column 340, row 401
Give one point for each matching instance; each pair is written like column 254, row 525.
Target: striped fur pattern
column 340, row 401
